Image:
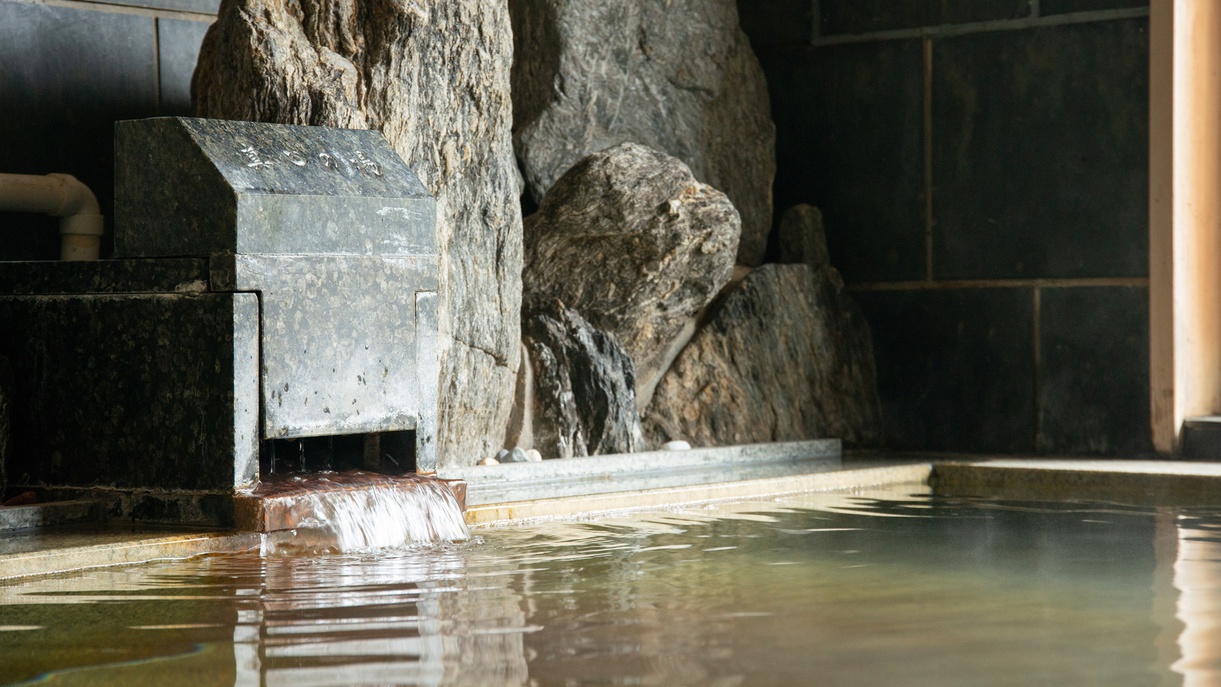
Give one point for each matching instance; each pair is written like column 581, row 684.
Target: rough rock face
column 803, row 239
column 434, row 78
column 584, row 391
column 675, row 75
column 633, row 242
column 786, row 356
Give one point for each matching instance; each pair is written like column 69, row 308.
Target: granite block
column 342, row 350
column 776, row 22
column 178, row 44
column 862, row 16
column 1094, row 374
column 1050, row 7
column 165, row 275
column 955, row 368
column 133, row 390
column 1040, row 152
column 66, row 74
column 264, row 188
column 849, row 133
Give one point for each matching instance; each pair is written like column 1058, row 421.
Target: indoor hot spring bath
column 883, row 585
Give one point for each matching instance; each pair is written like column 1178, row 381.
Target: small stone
column 489, row 461
column 534, row 456
column 676, row 445
column 502, row 456
column 802, row 237
column 518, row 456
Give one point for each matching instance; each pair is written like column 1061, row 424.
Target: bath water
column 875, row 587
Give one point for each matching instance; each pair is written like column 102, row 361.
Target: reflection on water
column 875, row 587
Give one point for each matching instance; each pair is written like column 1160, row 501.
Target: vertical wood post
column 1184, row 215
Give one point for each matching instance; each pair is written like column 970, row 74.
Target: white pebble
column 489, row 461
column 534, row 456
column 676, row 445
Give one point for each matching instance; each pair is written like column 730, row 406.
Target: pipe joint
column 59, row 195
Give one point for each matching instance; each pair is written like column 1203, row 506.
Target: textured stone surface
column 584, row 386
column 786, row 356
column 633, row 242
column 264, row 188
column 347, row 343
column 675, row 75
column 182, row 275
column 434, row 78
column 165, row 396
column 802, row 238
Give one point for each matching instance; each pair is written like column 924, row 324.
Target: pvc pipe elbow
column 63, row 196
column 81, row 237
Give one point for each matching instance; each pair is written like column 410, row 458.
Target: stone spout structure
column 434, row 78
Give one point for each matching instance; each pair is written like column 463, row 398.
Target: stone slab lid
column 198, row 187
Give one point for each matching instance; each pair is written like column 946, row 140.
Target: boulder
column 584, row 400
column 802, row 238
column 785, row 356
column 434, row 78
column 676, row 75
column 633, row 242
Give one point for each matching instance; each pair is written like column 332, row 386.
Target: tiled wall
column 982, row 167
column 67, row 72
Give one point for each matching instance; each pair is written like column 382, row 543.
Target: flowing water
column 880, row 587
column 358, row 511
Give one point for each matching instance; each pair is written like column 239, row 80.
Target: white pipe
column 58, row 195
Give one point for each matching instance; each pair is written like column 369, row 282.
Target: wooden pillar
column 1184, row 214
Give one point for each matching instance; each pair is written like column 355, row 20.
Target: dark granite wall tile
column 860, row 16
column 66, row 75
column 955, row 368
column 1094, row 376
column 776, row 22
column 849, row 125
column 1040, row 161
column 1049, row 7
column 178, row 43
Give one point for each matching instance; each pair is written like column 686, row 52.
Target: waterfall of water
column 367, row 513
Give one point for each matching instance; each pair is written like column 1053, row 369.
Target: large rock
column 786, row 356
column 634, row 243
column 675, row 75
column 434, row 78
column 584, row 400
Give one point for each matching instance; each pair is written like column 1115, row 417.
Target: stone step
column 39, row 515
column 1201, row 438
